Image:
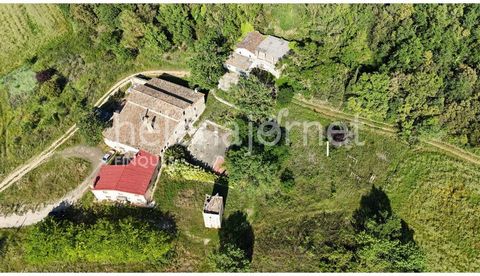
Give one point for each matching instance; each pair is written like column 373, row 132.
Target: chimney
column 149, row 126
column 152, row 123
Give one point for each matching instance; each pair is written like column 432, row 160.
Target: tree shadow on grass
column 221, row 188
column 375, row 206
column 3, row 245
column 237, row 231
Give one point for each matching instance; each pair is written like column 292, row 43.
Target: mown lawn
column 43, row 185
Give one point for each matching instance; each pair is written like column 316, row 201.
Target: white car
column 107, row 156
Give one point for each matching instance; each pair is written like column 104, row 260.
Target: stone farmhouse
column 156, row 115
column 254, row 51
column 131, row 183
column 257, row 51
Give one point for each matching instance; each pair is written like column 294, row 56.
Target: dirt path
column 91, row 154
column 381, row 127
column 388, row 129
column 453, row 150
column 35, row 161
column 336, row 114
column 222, row 100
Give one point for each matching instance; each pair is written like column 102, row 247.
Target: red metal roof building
column 129, row 182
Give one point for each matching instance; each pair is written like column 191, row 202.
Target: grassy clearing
column 184, row 200
column 217, row 112
column 25, row 29
column 284, row 20
column 45, row 184
column 20, row 84
column 327, row 190
column 435, row 194
column 440, row 198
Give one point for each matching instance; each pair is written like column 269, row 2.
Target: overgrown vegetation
column 289, row 207
column 257, row 106
column 106, row 237
column 257, row 159
column 438, row 196
column 412, row 65
column 44, row 185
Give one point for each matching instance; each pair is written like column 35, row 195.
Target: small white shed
column 213, row 211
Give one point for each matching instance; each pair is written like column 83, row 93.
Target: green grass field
column 45, row 184
column 25, row 29
column 436, row 195
column 440, row 198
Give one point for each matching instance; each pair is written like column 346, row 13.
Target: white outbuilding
column 213, row 211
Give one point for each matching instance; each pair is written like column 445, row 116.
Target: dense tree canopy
column 259, row 156
column 207, row 62
column 412, row 65
column 90, row 127
column 254, row 98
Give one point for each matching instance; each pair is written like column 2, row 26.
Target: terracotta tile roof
column 150, row 115
column 131, row 127
column 177, row 91
column 144, row 96
column 251, row 41
column 133, row 178
column 239, row 61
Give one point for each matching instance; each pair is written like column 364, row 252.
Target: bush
column 90, row 127
column 182, row 169
column 254, row 162
column 287, row 178
column 176, row 152
column 229, row 259
column 123, row 241
column 285, row 95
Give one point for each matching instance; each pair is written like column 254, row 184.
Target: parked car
column 107, row 156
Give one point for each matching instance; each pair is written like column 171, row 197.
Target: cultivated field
column 25, row 29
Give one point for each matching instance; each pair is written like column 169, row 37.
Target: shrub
column 127, row 240
column 287, row 178
column 229, row 259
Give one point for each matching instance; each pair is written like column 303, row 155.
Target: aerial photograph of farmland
column 239, row 137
